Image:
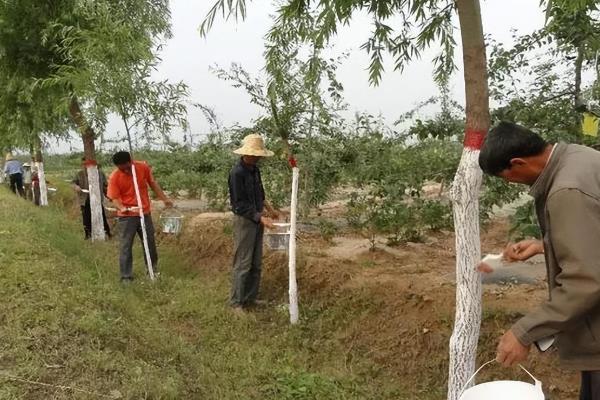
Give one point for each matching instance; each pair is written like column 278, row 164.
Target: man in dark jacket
column 248, row 204
column 82, row 188
column 565, row 183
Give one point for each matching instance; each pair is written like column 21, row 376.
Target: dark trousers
column 16, row 184
column 129, row 227
column 590, row 385
column 247, row 261
column 86, row 214
column 36, row 194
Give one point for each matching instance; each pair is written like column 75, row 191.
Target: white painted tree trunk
column 43, row 186
column 95, row 194
column 463, row 343
column 293, row 285
column 465, row 195
column 143, row 223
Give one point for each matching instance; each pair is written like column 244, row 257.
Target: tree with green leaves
column 81, row 54
column 422, row 24
column 27, row 121
column 297, row 110
column 538, row 81
column 574, row 26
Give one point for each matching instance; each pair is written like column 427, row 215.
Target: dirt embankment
column 398, row 302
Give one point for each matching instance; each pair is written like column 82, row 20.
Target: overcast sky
column 187, row 57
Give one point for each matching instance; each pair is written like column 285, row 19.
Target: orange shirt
column 120, row 186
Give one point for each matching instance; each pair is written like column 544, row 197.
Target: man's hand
column 168, row 203
column 510, row 351
column 484, row 268
column 77, row 188
column 523, row 250
column 271, row 211
column 267, row 222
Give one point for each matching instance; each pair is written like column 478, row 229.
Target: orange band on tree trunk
column 474, row 139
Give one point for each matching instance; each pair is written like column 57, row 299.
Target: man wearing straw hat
column 565, row 184
column 248, row 204
column 14, row 170
column 121, row 190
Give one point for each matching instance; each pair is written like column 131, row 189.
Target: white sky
column 187, row 57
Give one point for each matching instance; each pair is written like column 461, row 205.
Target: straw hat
column 9, row 156
column 254, row 145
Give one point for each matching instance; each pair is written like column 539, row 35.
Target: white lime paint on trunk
column 463, row 343
column 293, row 285
column 43, row 186
column 143, row 223
column 95, row 194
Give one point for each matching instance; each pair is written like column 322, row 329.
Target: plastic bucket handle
column 538, row 383
column 172, row 212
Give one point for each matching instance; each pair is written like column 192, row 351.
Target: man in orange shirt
column 121, row 191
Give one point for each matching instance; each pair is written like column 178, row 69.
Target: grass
column 66, row 321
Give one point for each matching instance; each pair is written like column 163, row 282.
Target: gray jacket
column 567, row 198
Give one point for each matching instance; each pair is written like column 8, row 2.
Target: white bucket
column 504, row 390
column 278, row 239
column 171, row 223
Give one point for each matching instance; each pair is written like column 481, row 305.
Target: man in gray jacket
column 565, row 183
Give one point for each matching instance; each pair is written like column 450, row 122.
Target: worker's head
column 514, row 153
column 122, row 160
column 251, row 160
column 253, row 149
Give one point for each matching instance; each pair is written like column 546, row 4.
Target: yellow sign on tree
column 590, row 124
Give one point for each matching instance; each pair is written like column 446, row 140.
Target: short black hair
column 506, row 141
column 121, row 157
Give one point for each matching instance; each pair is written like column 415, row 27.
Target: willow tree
column 422, row 24
column 28, row 121
column 79, row 51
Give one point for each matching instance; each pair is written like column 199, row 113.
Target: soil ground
column 387, row 313
column 399, row 300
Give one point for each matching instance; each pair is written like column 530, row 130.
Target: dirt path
column 353, row 248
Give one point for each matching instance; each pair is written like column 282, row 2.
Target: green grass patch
column 67, row 321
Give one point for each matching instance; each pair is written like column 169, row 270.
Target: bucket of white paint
column 171, row 221
column 504, row 390
column 278, row 238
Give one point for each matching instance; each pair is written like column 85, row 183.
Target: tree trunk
column 39, row 163
column 89, row 151
column 578, row 67
column 465, row 196
column 293, row 284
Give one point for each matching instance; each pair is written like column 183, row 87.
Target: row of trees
column 423, row 23
column 67, row 65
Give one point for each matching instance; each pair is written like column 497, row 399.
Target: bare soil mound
column 398, row 302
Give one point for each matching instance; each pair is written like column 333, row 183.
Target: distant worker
column 82, row 188
column 248, row 204
column 27, row 181
column 14, row 171
column 566, row 187
column 121, row 191
column 35, row 185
